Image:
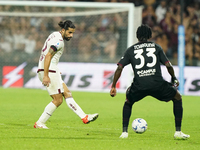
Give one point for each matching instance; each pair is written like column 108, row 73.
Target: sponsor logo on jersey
column 148, row 72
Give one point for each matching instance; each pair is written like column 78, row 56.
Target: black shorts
column 164, row 92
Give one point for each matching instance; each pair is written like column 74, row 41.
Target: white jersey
column 56, row 40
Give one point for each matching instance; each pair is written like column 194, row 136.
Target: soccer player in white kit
column 50, row 76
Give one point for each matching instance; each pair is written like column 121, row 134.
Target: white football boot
column 40, row 125
column 90, row 117
column 180, row 135
column 124, row 135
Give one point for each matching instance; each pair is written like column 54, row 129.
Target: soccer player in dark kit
column 145, row 58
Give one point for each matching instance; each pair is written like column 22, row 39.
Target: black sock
column 178, row 113
column 127, row 109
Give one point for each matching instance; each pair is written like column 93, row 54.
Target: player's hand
column 175, row 81
column 113, row 92
column 46, row 81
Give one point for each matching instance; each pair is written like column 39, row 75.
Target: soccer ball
column 139, row 125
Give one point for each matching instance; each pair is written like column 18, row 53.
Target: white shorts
column 55, row 87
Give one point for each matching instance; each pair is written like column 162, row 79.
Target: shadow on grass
column 60, row 138
column 14, row 124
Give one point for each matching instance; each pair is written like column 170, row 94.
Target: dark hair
column 144, row 32
column 66, row 24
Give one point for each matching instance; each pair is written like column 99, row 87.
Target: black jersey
column 145, row 58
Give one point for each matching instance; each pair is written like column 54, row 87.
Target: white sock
column 75, row 107
column 48, row 111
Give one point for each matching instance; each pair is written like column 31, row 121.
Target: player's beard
column 67, row 38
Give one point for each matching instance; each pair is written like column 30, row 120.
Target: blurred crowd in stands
column 26, row 35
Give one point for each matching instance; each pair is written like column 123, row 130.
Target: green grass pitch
column 20, row 109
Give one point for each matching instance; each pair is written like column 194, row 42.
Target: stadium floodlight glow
column 111, row 8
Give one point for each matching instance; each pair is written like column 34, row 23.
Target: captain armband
column 54, row 48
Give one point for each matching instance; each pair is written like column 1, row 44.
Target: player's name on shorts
column 148, row 72
column 144, row 45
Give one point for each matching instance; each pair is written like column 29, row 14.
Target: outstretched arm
column 116, row 77
column 170, row 69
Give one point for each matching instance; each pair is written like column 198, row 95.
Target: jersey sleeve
column 54, row 48
column 163, row 57
column 125, row 60
column 56, row 43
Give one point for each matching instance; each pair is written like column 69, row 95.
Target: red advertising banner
column 13, row 76
column 8, row 77
column 91, row 77
column 108, row 78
